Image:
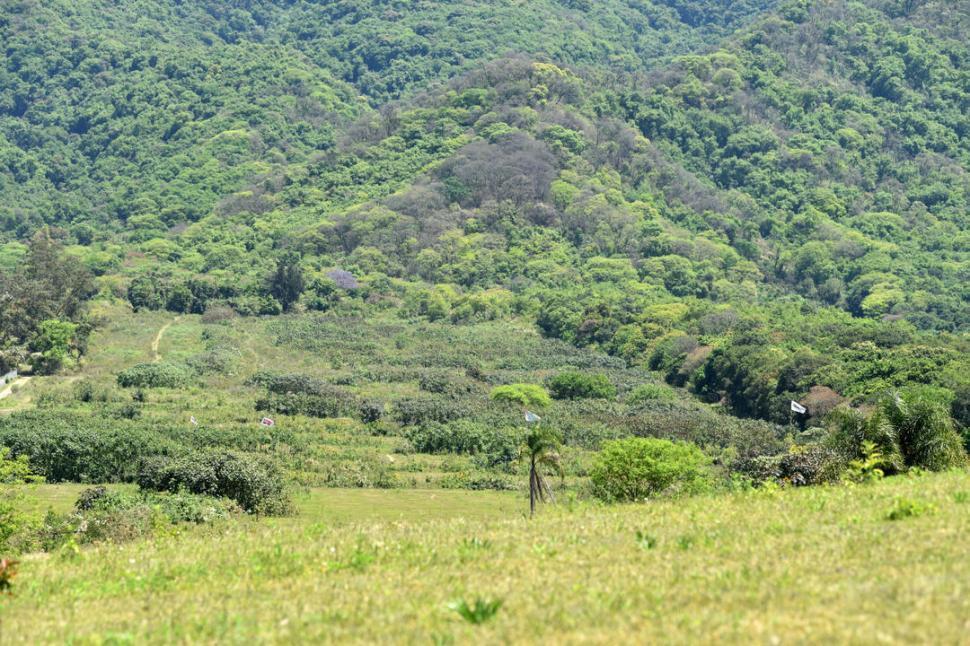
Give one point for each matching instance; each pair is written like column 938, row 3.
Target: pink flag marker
column 267, row 422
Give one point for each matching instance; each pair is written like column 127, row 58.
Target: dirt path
column 158, row 339
column 6, row 392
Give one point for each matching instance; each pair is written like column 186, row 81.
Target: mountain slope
column 784, row 214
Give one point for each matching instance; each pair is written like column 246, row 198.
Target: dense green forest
column 781, row 215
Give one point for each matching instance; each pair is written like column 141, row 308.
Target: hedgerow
column 154, row 375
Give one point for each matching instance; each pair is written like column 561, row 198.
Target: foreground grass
column 810, row 565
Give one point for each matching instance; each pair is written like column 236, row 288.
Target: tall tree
column 48, row 285
column 287, row 282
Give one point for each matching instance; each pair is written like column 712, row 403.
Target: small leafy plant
column 477, row 613
column 646, row 541
column 905, row 508
column 358, row 560
column 471, row 547
column 867, row 468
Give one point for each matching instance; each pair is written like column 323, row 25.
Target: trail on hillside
column 9, row 389
column 158, row 339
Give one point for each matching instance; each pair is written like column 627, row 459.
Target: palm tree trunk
column 532, row 488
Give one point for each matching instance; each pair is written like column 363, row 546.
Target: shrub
column 523, row 394
column 910, row 430
column 906, row 508
column 412, row 411
column 88, row 391
column 636, row 468
column 849, row 431
column 102, row 514
column 289, row 383
column 802, row 465
column 154, row 375
column 16, row 470
column 650, row 392
column 473, row 438
column 335, row 403
column 178, row 507
column 578, row 385
column 370, row 411
column 482, row 482
column 254, row 482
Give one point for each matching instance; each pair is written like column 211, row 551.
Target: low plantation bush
column 414, row 411
column 494, row 445
column 690, row 422
column 300, row 394
column 64, row 447
column 282, row 383
column 256, row 483
column 335, row 403
column 637, row 468
column 650, row 392
column 154, row 375
column 578, row 385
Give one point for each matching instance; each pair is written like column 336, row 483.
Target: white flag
column 531, row 417
column 267, row 422
column 194, row 421
column 798, row 408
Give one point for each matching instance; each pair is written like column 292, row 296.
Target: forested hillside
column 760, row 202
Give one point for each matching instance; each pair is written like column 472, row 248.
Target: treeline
column 43, row 322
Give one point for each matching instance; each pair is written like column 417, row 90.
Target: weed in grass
column 470, row 548
column 478, row 612
column 358, row 560
column 70, row 550
column 906, row 508
column 961, row 497
column 685, row 542
column 646, row 541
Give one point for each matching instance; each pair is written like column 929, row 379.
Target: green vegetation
column 576, row 385
column 153, row 375
column 822, row 563
column 286, row 277
column 524, row 394
column 636, row 468
column 715, row 217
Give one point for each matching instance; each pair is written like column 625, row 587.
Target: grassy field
column 812, row 565
column 849, row 564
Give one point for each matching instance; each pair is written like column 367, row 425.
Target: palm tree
column 542, row 447
column 925, row 432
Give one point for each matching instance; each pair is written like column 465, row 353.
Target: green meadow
column 389, row 558
column 804, row 565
